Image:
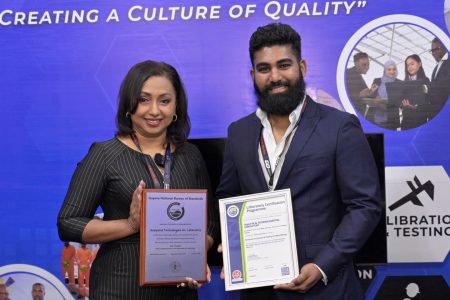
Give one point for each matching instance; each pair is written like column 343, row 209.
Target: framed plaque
column 258, row 240
column 173, row 236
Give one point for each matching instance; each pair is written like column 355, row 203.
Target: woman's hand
column 134, row 220
column 100, row 231
column 408, row 105
column 194, row 284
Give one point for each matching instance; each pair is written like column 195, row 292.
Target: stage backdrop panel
column 62, row 62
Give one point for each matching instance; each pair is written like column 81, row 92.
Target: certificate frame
column 263, row 222
column 173, row 236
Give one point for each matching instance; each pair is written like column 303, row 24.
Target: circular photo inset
column 20, row 281
column 396, row 74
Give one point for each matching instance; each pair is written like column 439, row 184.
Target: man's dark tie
column 433, row 75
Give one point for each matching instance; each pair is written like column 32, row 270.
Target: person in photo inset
column 152, row 118
column 84, row 259
column 67, row 265
column 356, row 86
column 385, row 115
column 439, row 87
column 38, row 291
column 414, row 115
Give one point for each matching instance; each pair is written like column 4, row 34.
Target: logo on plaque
column 175, row 266
column 232, row 211
column 175, row 211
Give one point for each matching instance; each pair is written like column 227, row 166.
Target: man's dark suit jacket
column 439, row 89
column 331, row 173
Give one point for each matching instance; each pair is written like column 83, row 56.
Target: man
column 38, row 291
column 356, row 86
column 3, row 292
column 323, row 157
column 439, row 87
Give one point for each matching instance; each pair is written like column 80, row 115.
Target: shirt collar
column 445, row 57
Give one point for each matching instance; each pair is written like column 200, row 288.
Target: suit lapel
column 253, row 154
column 304, row 131
column 442, row 72
column 433, row 75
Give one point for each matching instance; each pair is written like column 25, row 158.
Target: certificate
column 173, row 236
column 258, row 240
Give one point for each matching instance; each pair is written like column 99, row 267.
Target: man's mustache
column 277, row 84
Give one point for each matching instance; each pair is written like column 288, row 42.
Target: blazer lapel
column 305, row 129
column 253, row 154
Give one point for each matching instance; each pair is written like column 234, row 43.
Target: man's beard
column 281, row 104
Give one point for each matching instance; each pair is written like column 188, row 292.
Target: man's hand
column 366, row 93
column 309, row 276
column 219, row 249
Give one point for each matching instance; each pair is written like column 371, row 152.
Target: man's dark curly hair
column 275, row 34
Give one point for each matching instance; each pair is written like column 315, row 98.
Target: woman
column 386, row 115
column 414, row 115
column 151, row 117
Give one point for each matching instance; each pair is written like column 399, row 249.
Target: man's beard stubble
column 281, row 104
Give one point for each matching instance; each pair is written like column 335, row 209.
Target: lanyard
column 266, row 159
column 265, row 155
column 167, row 163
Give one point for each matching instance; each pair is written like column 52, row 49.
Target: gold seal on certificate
column 258, row 239
column 173, row 236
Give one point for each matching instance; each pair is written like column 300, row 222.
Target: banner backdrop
column 62, row 62
column 418, row 214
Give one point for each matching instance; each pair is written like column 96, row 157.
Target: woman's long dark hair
column 130, row 91
column 420, row 72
